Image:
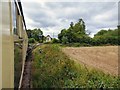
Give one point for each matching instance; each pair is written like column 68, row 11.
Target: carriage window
column 17, row 48
column 14, row 18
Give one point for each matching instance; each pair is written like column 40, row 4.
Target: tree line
column 77, row 34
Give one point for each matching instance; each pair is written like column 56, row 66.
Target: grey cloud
column 60, row 14
column 47, row 22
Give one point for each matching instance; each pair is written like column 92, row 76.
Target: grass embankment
column 17, row 65
column 53, row 69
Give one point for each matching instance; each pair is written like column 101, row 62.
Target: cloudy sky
column 51, row 17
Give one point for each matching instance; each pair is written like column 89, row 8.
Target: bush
column 31, row 40
column 47, row 42
column 54, row 40
column 76, row 44
column 85, row 44
column 53, row 69
column 64, row 40
column 106, row 37
column 17, row 64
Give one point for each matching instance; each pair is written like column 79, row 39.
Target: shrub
column 53, row 69
column 31, row 40
column 17, row 64
column 54, row 40
column 47, row 42
column 64, row 40
column 76, row 44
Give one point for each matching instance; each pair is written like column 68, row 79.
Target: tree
column 64, row 40
column 107, row 37
column 31, row 40
column 63, row 33
column 75, row 33
column 37, row 34
column 79, row 27
column 54, row 40
column 71, row 25
column 29, row 33
column 101, row 32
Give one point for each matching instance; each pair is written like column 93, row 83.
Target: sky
column 52, row 17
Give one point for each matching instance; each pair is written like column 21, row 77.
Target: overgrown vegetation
column 53, row 69
column 17, row 65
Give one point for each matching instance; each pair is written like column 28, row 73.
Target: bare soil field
column 104, row 58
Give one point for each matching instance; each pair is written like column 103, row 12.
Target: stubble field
column 104, row 58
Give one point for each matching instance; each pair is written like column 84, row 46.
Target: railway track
column 26, row 79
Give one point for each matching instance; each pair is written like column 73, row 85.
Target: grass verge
column 53, row 69
column 17, row 65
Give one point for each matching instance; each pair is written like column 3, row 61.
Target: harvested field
column 104, row 58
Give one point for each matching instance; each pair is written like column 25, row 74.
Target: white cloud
column 51, row 17
column 39, row 1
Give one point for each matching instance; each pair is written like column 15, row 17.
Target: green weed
column 53, row 69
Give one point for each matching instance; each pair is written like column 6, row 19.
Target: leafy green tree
column 37, row 34
column 54, row 40
column 63, row 33
column 107, row 37
column 29, row 33
column 75, row 33
column 31, row 40
column 71, row 25
column 79, row 27
column 101, row 32
column 64, row 40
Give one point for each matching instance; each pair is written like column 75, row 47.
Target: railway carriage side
column 14, row 44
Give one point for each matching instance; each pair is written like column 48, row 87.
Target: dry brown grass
column 104, row 58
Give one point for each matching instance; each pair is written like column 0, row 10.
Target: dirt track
column 26, row 82
column 104, row 58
